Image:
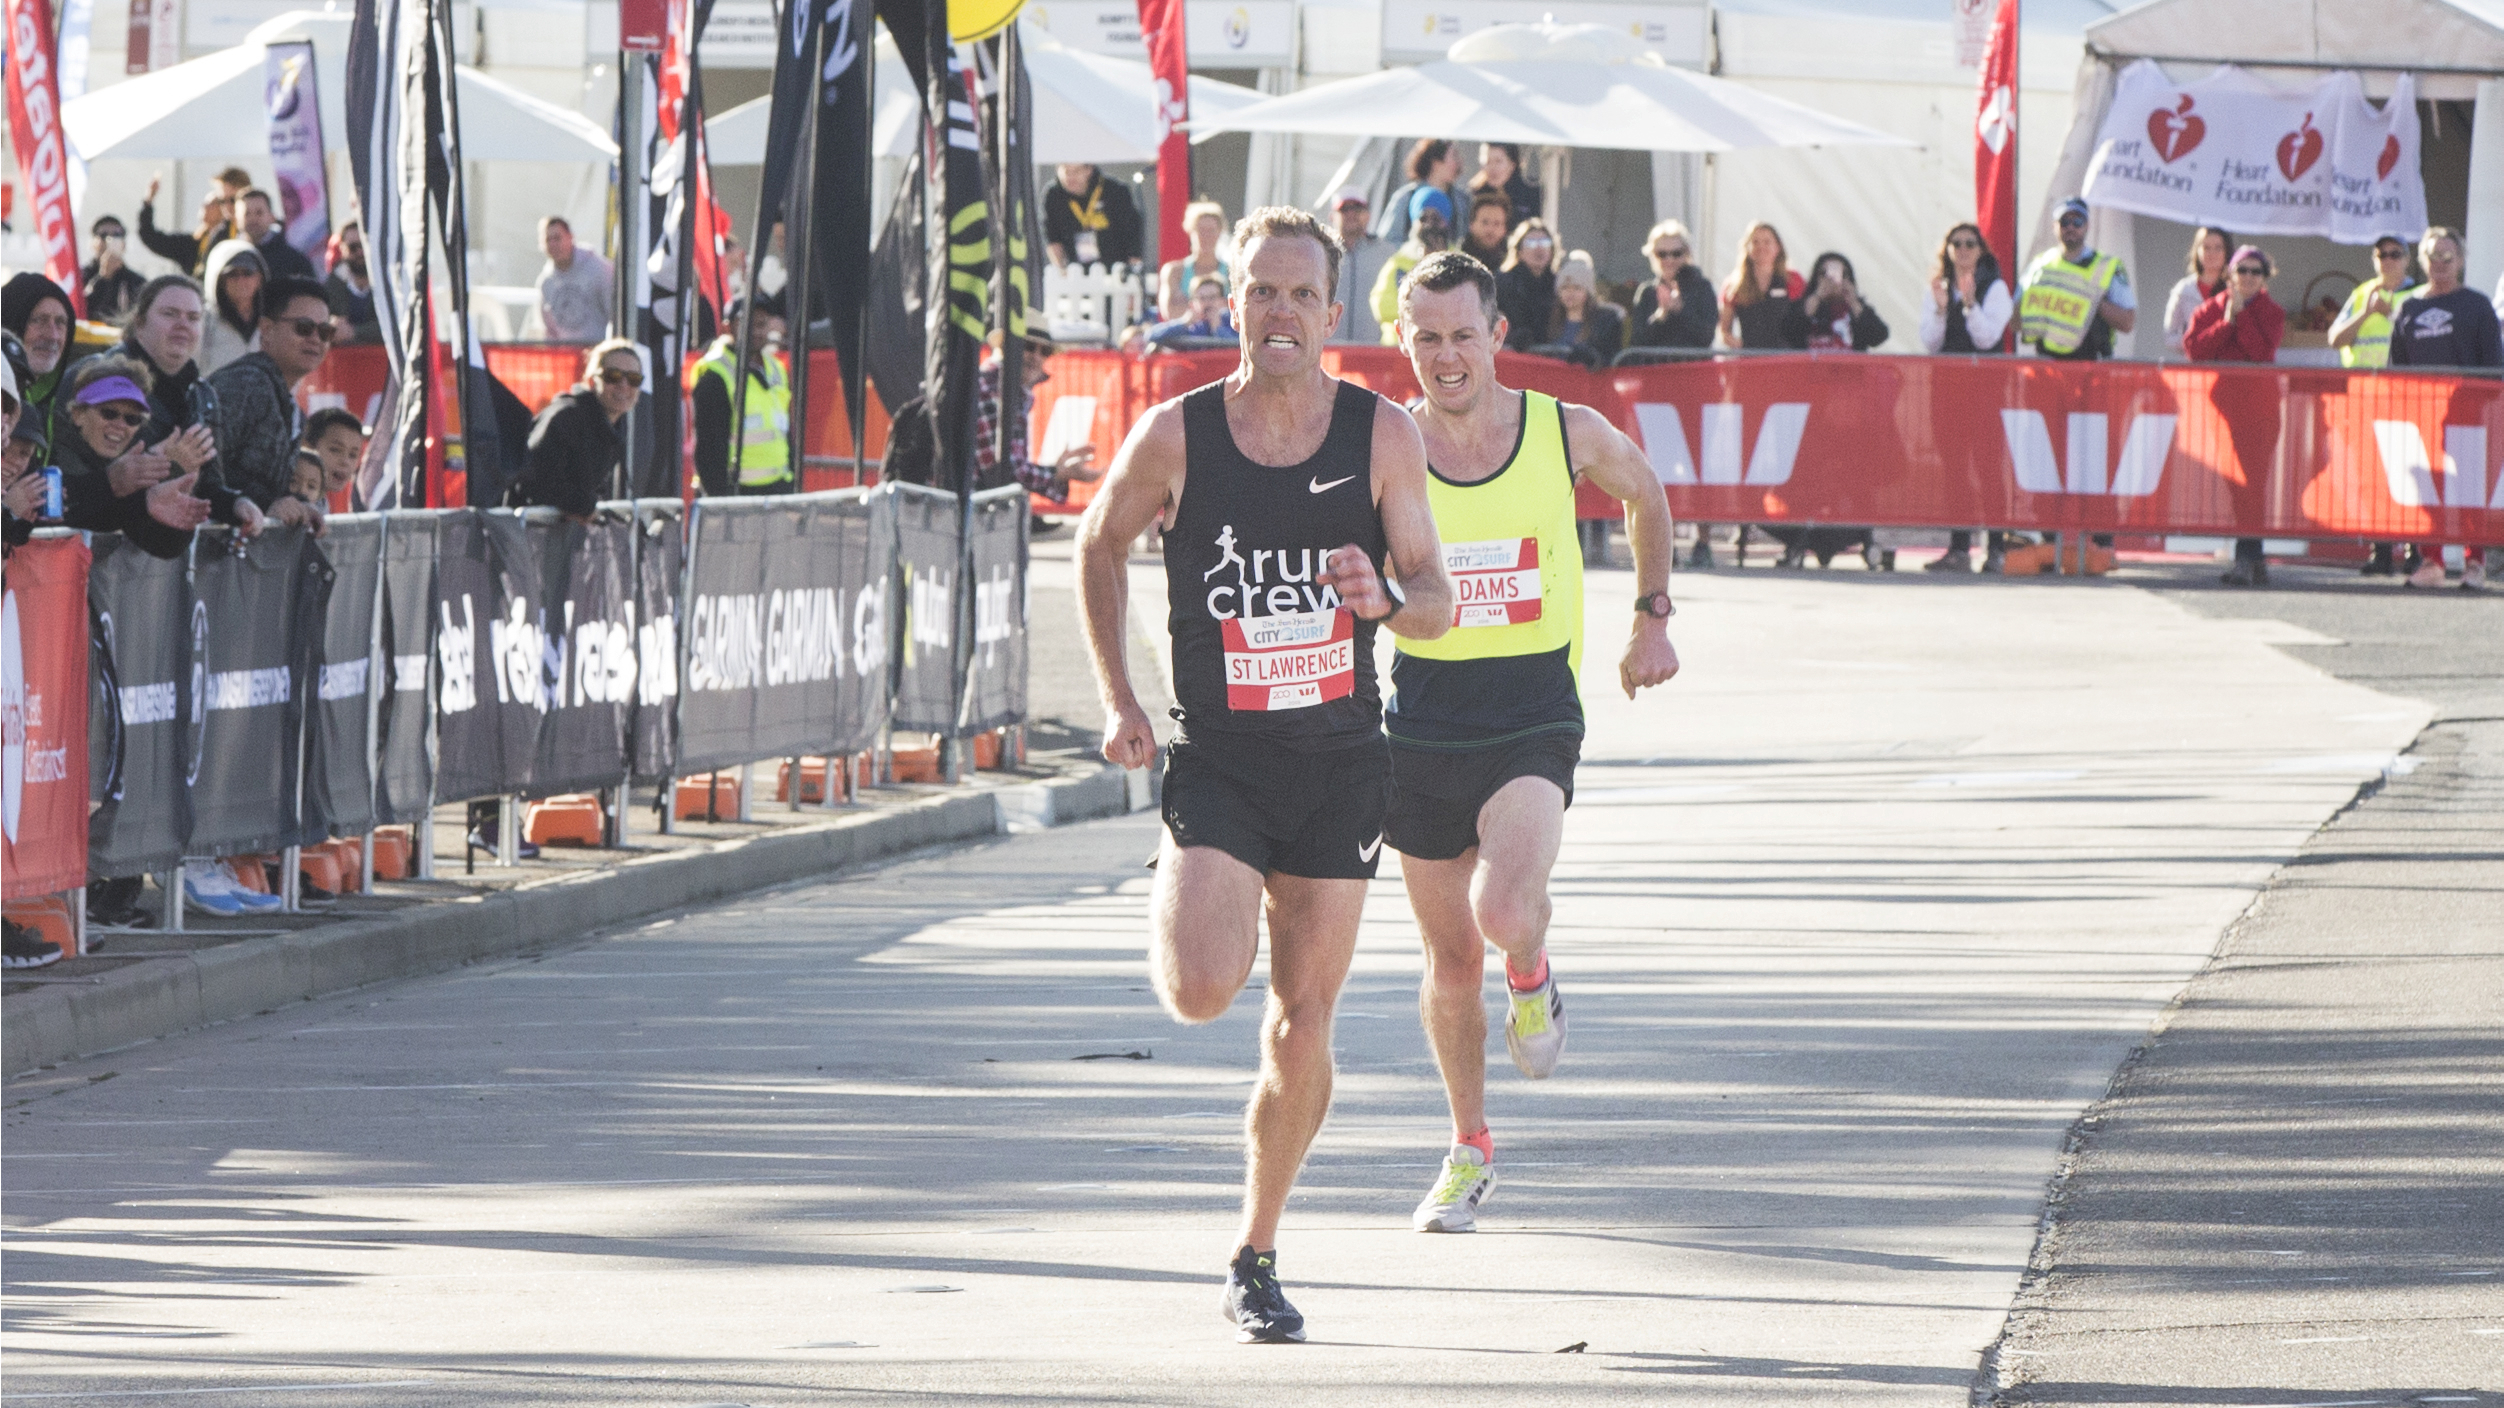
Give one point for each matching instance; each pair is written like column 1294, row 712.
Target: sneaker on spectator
column 1951, row 562
column 26, row 947
column 2429, row 573
column 208, row 887
column 2474, row 572
column 2378, row 563
column 253, row 901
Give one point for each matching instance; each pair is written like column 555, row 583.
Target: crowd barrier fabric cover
column 927, row 565
column 404, row 766
column 999, row 676
column 590, row 659
column 660, row 566
column 784, row 626
column 256, row 616
column 140, row 743
column 338, row 783
column 44, row 709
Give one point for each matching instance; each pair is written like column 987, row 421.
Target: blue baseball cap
column 1430, row 198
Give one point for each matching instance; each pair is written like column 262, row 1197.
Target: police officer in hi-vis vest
column 764, row 451
column 2074, row 299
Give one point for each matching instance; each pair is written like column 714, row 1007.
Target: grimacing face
column 1451, row 344
column 1283, row 310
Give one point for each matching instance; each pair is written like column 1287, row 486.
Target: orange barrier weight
column 919, row 764
column 49, row 916
column 569, row 819
column 721, row 787
column 813, row 775
column 392, row 848
column 319, row 865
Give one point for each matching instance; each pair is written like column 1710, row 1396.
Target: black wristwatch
column 1656, row 605
column 1391, row 589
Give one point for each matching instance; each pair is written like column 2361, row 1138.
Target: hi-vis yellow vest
column 1512, row 552
column 2372, row 347
column 765, row 451
column 2058, row 306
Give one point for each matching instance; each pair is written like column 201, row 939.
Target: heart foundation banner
column 2235, row 151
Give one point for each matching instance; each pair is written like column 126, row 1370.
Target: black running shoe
column 1256, row 1304
column 28, row 948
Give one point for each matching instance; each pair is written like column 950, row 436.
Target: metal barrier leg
column 621, row 798
column 78, row 921
column 422, row 841
column 508, row 830
column 365, row 884
column 797, row 776
column 290, row 885
column 836, row 793
column 668, row 808
column 747, row 792
column 172, row 885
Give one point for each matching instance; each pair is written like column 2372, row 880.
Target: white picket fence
column 1089, row 304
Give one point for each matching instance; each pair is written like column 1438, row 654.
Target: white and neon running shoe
column 1534, row 1028
column 1467, row 1181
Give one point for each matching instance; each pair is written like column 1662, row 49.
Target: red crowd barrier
column 45, row 715
column 2002, row 442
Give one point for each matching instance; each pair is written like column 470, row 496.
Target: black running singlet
column 1262, row 650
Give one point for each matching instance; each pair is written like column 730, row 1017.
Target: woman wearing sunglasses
column 2242, row 323
column 1677, row 306
column 575, row 445
column 111, row 480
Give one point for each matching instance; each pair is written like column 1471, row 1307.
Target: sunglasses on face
column 1680, row 253
column 2246, row 271
column 108, row 414
column 614, row 377
column 307, row 327
column 2388, row 255
column 2067, row 221
column 1964, row 244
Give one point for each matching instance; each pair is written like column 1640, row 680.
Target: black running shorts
column 1436, row 792
column 1315, row 815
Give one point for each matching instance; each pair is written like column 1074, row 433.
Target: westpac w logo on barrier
column 2143, row 450
column 1777, row 444
column 2413, row 474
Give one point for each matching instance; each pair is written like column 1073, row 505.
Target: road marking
column 2334, row 1339
column 1999, row 779
column 248, row 1388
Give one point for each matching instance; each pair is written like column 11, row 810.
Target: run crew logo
column 1289, row 643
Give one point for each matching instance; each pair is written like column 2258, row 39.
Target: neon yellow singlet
column 1509, row 664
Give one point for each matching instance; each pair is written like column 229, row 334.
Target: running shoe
column 1534, row 1030
column 253, row 901
column 2429, row 573
column 2474, row 573
column 26, row 947
column 1467, row 1181
column 207, row 886
column 1256, row 1304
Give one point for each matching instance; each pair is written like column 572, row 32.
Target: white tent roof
column 1088, row 107
column 213, row 107
column 1558, row 85
column 2387, row 35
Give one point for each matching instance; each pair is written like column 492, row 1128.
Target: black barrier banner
column 928, row 563
column 587, row 652
column 141, row 605
column 339, row 778
column 785, row 627
column 660, row 562
column 487, row 656
column 998, row 679
column 256, row 612
column 404, row 770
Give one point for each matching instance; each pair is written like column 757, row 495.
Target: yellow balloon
column 969, row 20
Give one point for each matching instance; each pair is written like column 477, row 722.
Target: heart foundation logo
column 2299, row 149
column 2390, row 157
column 2176, row 130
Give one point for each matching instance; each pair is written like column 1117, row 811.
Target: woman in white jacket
column 2205, row 280
column 234, row 275
column 1967, row 312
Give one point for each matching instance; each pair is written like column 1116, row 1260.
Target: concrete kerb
column 160, row 997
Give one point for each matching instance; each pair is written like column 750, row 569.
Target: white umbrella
column 1088, row 108
column 1550, row 85
column 214, row 107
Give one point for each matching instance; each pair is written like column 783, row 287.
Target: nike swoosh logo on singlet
column 1318, row 487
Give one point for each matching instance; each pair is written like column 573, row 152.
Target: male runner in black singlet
column 1486, row 722
column 1292, row 501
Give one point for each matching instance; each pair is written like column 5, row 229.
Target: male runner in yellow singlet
column 1292, row 501
column 1486, row 721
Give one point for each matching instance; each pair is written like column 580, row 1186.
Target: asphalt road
column 1855, row 919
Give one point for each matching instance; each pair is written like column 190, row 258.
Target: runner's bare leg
column 1205, row 929
column 1312, row 939
column 1497, row 893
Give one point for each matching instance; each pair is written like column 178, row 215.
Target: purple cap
column 2251, row 250
column 111, row 388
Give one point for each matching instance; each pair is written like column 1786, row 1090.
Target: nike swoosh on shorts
column 1367, row 853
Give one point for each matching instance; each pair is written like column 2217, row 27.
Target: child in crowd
column 337, row 439
column 306, row 482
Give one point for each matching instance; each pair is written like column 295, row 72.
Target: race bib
column 1494, row 583
column 1292, row 661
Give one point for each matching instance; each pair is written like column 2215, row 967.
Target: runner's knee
column 1456, row 968
column 1512, row 914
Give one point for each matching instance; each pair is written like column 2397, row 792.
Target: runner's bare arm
column 1146, row 476
column 1399, row 460
column 1603, row 455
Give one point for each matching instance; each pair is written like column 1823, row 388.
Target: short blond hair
column 1286, row 222
column 1191, row 213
